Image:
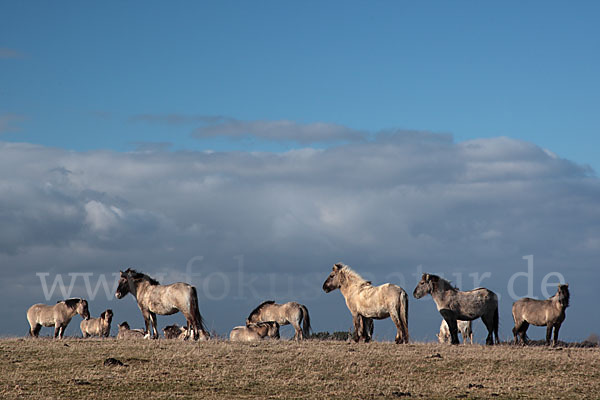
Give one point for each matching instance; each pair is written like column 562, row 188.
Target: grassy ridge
column 74, row 368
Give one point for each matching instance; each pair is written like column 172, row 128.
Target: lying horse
column 455, row 305
column 175, row 332
column 58, row 315
column 549, row 313
column 254, row 332
column 153, row 298
column 97, row 326
column 464, row 327
column 126, row 333
column 288, row 313
column 367, row 301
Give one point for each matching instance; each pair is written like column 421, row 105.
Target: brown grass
column 74, row 368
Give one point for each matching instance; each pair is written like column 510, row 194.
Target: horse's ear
column 337, row 266
column 425, row 277
column 103, row 314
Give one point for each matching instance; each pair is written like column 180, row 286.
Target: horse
column 464, row 327
column 549, row 313
column 454, row 305
column 153, row 298
column 284, row 314
column 126, row 333
column 254, row 332
column 97, row 326
column 58, row 315
column 367, row 301
column 175, row 332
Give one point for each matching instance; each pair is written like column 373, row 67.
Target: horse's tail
column 306, row 321
column 196, row 310
column 496, row 323
column 404, row 315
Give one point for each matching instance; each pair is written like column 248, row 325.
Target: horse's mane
column 136, row 276
column 71, row 303
column 260, row 306
column 352, row 275
column 445, row 282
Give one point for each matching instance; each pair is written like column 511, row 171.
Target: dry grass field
column 75, row 368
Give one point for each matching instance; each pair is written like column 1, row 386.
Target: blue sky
column 396, row 137
column 471, row 69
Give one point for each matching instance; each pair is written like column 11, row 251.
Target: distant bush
column 341, row 336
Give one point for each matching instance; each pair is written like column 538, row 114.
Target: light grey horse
column 58, row 315
column 153, row 298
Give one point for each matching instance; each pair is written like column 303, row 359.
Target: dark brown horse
column 288, row 313
column 153, row 298
column 455, row 305
column 58, row 315
column 367, row 302
column 549, row 313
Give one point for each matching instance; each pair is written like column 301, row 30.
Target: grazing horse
column 126, row 333
column 175, row 332
column 464, row 327
column 97, row 326
column 455, row 305
column 366, row 301
column 254, row 332
column 549, row 313
column 288, row 313
column 153, row 298
column 58, row 315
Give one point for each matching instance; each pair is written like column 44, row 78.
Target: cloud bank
column 255, row 226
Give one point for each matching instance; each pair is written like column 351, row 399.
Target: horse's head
column 123, row 285
column 107, row 316
column 273, row 329
column 124, row 326
column 82, row 309
column 563, row 294
column 335, row 278
column 426, row 285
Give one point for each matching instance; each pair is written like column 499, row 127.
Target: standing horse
column 455, row 305
column 367, row 301
column 97, row 326
column 58, row 315
column 153, row 298
column 549, row 313
column 284, row 314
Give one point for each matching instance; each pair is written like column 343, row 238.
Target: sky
column 246, row 147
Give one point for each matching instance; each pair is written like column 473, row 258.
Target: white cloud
column 384, row 206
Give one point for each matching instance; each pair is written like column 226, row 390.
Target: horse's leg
column 296, row 324
column 488, row 321
column 35, row 331
column 146, row 315
column 358, row 331
column 154, row 325
column 523, row 331
column 548, row 333
column 556, row 329
column 452, row 325
column 56, row 330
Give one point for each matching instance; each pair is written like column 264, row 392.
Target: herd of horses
column 365, row 301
